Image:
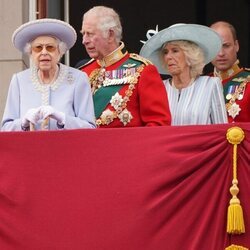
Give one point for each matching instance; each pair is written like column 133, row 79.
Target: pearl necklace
column 44, row 88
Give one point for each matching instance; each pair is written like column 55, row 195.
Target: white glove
column 48, row 111
column 32, row 116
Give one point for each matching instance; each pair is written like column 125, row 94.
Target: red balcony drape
column 157, row 188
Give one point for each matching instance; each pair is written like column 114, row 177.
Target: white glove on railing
column 32, row 116
column 48, row 111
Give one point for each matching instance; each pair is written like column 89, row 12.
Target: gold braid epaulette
column 140, row 58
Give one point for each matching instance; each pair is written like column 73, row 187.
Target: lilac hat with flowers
column 44, row 27
column 206, row 38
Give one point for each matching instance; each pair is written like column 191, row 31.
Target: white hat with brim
column 44, row 27
column 206, row 38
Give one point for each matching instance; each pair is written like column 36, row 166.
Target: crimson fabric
column 149, row 188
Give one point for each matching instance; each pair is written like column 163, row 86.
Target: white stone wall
column 12, row 14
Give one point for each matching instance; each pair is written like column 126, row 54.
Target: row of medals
column 232, row 90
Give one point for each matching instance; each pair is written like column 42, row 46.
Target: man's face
column 228, row 53
column 94, row 39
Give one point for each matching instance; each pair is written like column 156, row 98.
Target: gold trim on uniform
column 239, row 79
column 228, row 73
column 113, row 57
column 129, row 65
column 140, row 58
column 96, row 79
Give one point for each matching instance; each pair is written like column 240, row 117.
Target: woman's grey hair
column 107, row 19
column 61, row 46
column 194, row 56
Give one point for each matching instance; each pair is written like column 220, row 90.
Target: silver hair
column 194, row 56
column 62, row 47
column 107, row 19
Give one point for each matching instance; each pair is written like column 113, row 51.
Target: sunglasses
column 48, row 47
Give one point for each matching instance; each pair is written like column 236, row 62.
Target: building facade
column 137, row 18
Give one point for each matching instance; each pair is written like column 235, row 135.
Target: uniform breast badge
column 233, row 109
column 119, row 104
column 125, row 117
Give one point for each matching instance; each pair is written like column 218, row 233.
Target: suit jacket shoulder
column 83, row 63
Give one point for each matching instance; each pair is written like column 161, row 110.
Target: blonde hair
column 107, row 19
column 194, row 56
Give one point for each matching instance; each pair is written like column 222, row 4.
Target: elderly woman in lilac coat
column 49, row 95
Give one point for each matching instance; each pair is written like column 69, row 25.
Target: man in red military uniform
column 235, row 79
column 127, row 89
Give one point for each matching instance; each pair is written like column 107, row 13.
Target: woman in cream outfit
column 182, row 51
